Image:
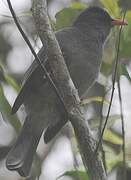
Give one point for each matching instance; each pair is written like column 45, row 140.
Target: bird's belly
column 83, row 76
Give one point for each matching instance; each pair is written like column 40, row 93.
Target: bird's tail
column 20, row 157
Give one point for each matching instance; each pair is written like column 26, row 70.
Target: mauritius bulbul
column 82, row 46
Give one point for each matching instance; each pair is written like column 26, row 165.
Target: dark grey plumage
column 81, row 46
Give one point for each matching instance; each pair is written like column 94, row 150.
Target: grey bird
column 82, row 46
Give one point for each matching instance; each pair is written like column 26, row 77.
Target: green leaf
column 6, row 78
column 93, row 99
column 5, row 109
column 75, row 174
column 12, row 82
column 112, row 159
column 112, row 7
column 112, row 137
column 66, row 16
column 112, row 119
column 125, row 50
column 25, row 14
column 95, row 122
column 109, row 52
column 22, row 14
column 78, row 5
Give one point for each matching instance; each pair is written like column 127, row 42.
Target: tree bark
column 68, row 92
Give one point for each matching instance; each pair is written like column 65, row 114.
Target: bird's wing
column 30, row 79
column 42, row 55
column 33, row 76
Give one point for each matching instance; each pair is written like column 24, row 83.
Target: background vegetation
column 53, row 161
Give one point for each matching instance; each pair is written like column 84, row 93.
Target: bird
column 82, row 47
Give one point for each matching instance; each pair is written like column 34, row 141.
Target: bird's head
column 96, row 17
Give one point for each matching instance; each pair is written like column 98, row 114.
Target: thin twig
column 123, row 128
column 113, row 84
column 34, row 53
column 99, row 133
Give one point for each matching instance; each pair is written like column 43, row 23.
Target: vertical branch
column 123, row 128
column 113, row 84
column 99, row 133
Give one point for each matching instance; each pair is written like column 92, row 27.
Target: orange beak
column 119, row 22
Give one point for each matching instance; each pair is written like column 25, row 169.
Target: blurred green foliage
column 5, row 109
column 65, row 18
column 75, row 175
column 126, row 39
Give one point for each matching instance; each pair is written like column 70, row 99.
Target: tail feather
column 20, row 157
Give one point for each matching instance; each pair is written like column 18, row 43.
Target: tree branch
column 45, row 72
column 67, row 91
column 123, row 127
